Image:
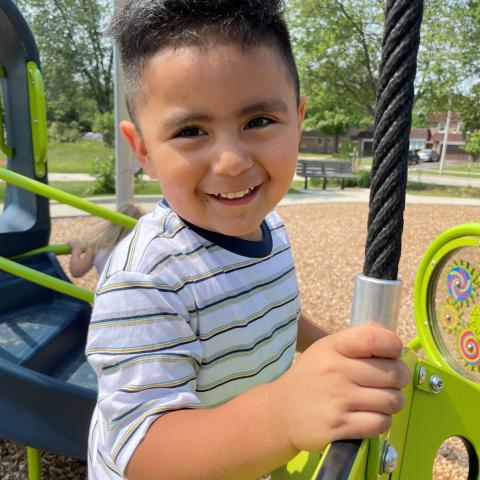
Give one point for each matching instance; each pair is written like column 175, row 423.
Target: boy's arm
column 344, row 386
column 241, row 439
column 309, row 332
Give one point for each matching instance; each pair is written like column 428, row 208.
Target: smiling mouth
column 236, row 196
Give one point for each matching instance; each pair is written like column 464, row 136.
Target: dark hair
column 143, row 27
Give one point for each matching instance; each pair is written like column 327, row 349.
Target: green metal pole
column 415, row 344
column 57, row 249
column 46, row 280
column 33, row 464
column 67, row 198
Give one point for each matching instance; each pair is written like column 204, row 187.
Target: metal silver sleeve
column 376, row 300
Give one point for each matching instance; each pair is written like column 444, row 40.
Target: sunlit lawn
column 75, row 157
column 428, row 190
column 456, row 170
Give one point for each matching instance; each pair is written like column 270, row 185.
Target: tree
column 338, row 46
column 77, row 57
column 441, row 69
column 329, row 117
column 473, row 145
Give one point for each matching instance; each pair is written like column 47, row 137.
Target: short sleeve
column 146, row 356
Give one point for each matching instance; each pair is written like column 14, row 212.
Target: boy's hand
column 344, row 386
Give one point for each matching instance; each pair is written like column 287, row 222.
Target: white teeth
column 232, row 195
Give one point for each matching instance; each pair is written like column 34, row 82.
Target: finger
column 379, row 372
column 363, row 425
column 367, row 341
column 386, row 401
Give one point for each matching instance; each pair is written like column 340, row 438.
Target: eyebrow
column 266, row 106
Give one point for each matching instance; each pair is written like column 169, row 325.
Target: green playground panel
column 449, row 269
column 446, row 289
column 38, row 118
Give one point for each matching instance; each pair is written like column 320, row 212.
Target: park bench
column 340, row 169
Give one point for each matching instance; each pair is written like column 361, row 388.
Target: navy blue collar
column 246, row 248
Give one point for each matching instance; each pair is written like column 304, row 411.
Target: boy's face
column 220, row 129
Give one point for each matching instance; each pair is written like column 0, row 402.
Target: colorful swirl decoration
column 460, row 283
column 470, row 348
column 450, row 318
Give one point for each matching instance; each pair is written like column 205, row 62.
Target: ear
column 133, row 137
column 302, row 108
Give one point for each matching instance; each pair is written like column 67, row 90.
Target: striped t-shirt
column 185, row 318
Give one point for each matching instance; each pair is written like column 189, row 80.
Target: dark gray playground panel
column 25, row 221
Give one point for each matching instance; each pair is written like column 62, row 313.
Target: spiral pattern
column 470, row 348
column 459, row 283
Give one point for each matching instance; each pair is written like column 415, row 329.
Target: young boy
column 196, row 315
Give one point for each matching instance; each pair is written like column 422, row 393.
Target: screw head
column 389, row 459
column 435, row 383
column 422, row 375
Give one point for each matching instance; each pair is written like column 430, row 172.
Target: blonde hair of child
column 110, row 235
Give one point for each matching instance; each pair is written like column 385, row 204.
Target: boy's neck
column 255, row 236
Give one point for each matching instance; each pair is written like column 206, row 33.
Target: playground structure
column 44, row 318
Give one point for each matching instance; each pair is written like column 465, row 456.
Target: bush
column 347, row 149
column 63, row 132
column 364, row 180
column 104, row 173
column 350, row 182
column 104, row 123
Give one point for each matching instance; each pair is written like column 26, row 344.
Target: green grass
column 149, row 188
column 449, row 173
column 365, row 162
column 75, row 157
column 465, row 167
column 428, row 190
column 72, row 157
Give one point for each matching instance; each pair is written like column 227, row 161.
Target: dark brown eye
column 259, row 122
column 189, row 132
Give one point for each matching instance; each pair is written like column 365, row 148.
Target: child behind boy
column 196, row 317
column 94, row 251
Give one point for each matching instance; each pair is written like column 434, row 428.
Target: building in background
column 313, row 141
column 437, row 124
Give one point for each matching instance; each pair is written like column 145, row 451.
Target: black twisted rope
column 389, row 171
column 391, row 137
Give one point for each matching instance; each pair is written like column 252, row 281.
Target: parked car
column 413, row 158
column 428, row 155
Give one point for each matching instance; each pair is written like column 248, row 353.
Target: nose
column 232, row 161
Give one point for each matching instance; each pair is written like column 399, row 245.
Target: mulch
column 328, row 245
